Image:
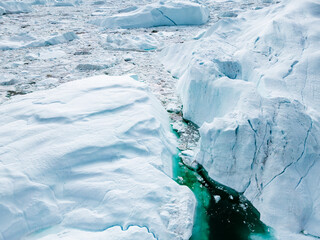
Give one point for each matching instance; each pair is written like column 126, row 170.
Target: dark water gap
column 221, row 213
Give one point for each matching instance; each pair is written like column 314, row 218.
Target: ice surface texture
column 166, row 13
column 252, row 84
column 87, row 156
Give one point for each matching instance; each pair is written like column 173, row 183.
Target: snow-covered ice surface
column 87, row 156
column 252, row 84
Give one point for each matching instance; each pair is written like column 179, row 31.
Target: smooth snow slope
column 252, row 84
column 87, row 159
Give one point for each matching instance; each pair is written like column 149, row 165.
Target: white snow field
column 252, row 84
column 162, row 13
column 90, row 159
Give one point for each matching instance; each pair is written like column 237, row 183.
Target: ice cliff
column 252, row 84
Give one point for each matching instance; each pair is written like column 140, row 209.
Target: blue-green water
column 232, row 217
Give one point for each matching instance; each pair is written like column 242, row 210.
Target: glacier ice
column 89, row 159
column 163, row 13
column 252, row 84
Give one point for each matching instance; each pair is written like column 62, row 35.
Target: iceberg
column 91, row 158
column 251, row 84
column 163, row 13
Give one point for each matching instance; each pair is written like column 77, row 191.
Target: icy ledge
column 252, row 84
column 87, row 156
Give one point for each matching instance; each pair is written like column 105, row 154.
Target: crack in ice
column 167, row 17
column 298, row 159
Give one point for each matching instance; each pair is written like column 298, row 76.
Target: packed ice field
column 94, row 93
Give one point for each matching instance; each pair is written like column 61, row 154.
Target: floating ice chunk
column 25, row 41
column 15, row 42
column 173, row 108
column 63, row 4
column 137, row 43
column 188, row 158
column 128, row 57
column 59, row 39
column 178, row 126
column 31, row 57
column 228, row 14
column 90, row 155
column 91, row 67
column 217, row 198
column 98, row 65
column 83, row 52
column 4, row 82
column 47, row 82
column 98, row 3
column 167, row 13
column 14, row 7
